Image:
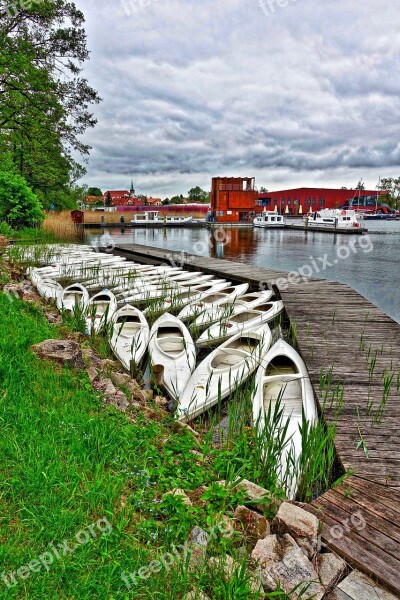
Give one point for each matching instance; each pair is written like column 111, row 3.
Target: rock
column 282, row 559
column 121, row 379
column 358, row 586
column 160, row 401
column 303, row 526
column 255, row 493
column 106, row 364
column 120, row 401
column 224, row 565
column 147, row 395
column 64, row 352
column 195, row 496
column 225, row 526
column 227, row 567
column 197, row 548
column 92, row 373
column 196, row 595
column 221, row 431
column 54, row 319
column 106, row 386
column 251, row 523
column 331, row 569
column 181, row 495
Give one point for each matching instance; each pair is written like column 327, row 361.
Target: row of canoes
column 236, row 321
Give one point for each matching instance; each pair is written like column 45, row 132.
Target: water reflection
column 370, row 265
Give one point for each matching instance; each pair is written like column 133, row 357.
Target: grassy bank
column 67, row 461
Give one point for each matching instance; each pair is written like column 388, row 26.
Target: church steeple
column 132, row 190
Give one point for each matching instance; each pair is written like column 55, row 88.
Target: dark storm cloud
column 299, row 95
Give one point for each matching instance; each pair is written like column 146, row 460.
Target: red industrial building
column 290, row 201
column 234, row 200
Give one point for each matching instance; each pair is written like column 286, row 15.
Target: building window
column 321, row 201
column 308, row 201
column 289, row 202
column 314, row 201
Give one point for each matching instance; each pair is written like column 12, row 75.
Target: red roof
column 116, row 194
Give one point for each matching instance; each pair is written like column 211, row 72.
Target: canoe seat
column 288, row 391
column 171, row 345
column 227, row 360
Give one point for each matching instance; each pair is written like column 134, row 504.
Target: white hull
column 232, row 307
column 171, row 346
column 191, row 293
column 75, row 295
column 212, row 300
column 101, row 308
column 223, row 371
column 242, row 322
column 48, row 288
column 284, row 375
column 130, row 335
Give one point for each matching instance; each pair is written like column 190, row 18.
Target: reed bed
column 62, row 227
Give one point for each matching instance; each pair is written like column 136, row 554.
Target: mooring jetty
column 352, row 351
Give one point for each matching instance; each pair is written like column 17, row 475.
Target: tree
column 19, row 206
column 392, row 186
column 94, row 191
column 108, row 199
column 176, row 199
column 44, row 103
column 165, row 202
column 360, row 185
column 196, row 194
column 263, row 190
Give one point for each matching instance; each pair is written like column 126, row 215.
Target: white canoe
column 129, row 335
column 73, row 296
column 212, row 300
column 48, row 288
column 186, row 294
column 171, row 346
column 100, row 310
column 242, row 322
column 231, row 307
column 284, row 375
column 223, row 371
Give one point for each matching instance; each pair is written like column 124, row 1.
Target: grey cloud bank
column 306, row 95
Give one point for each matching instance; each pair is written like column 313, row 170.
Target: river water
column 370, row 264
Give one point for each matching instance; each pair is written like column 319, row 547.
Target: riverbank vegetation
column 70, row 460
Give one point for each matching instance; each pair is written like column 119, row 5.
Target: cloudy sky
column 293, row 92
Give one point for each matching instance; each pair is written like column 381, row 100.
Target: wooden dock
column 352, row 344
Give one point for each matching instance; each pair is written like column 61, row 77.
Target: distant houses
column 112, row 199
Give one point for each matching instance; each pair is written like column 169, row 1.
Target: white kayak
column 184, row 295
column 284, row 375
column 100, row 310
column 129, row 335
column 171, row 346
column 72, row 297
column 48, row 288
column 227, row 367
column 242, row 322
column 212, row 300
column 231, row 307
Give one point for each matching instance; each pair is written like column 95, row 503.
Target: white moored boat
column 232, row 307
column 186, row 294
column 333, row 218
column 212, row 300
column 48, row 288
column 284, row 375
column 223, row 371
column 242, row 322
column 74, row 296
column 146, row 217
column 100, row 310
column 269, row 219
column 129, row 335
column 172, row 347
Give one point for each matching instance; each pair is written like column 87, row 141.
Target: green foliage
column 94, row 191
column 108, row 199
column 360, row 185
column 19, row 207
column 44, row 103
column 392, row 186
column 196, row 194
column 176, row 200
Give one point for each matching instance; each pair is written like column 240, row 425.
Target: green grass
column 67, row 461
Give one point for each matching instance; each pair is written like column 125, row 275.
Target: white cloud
column 306, row 95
